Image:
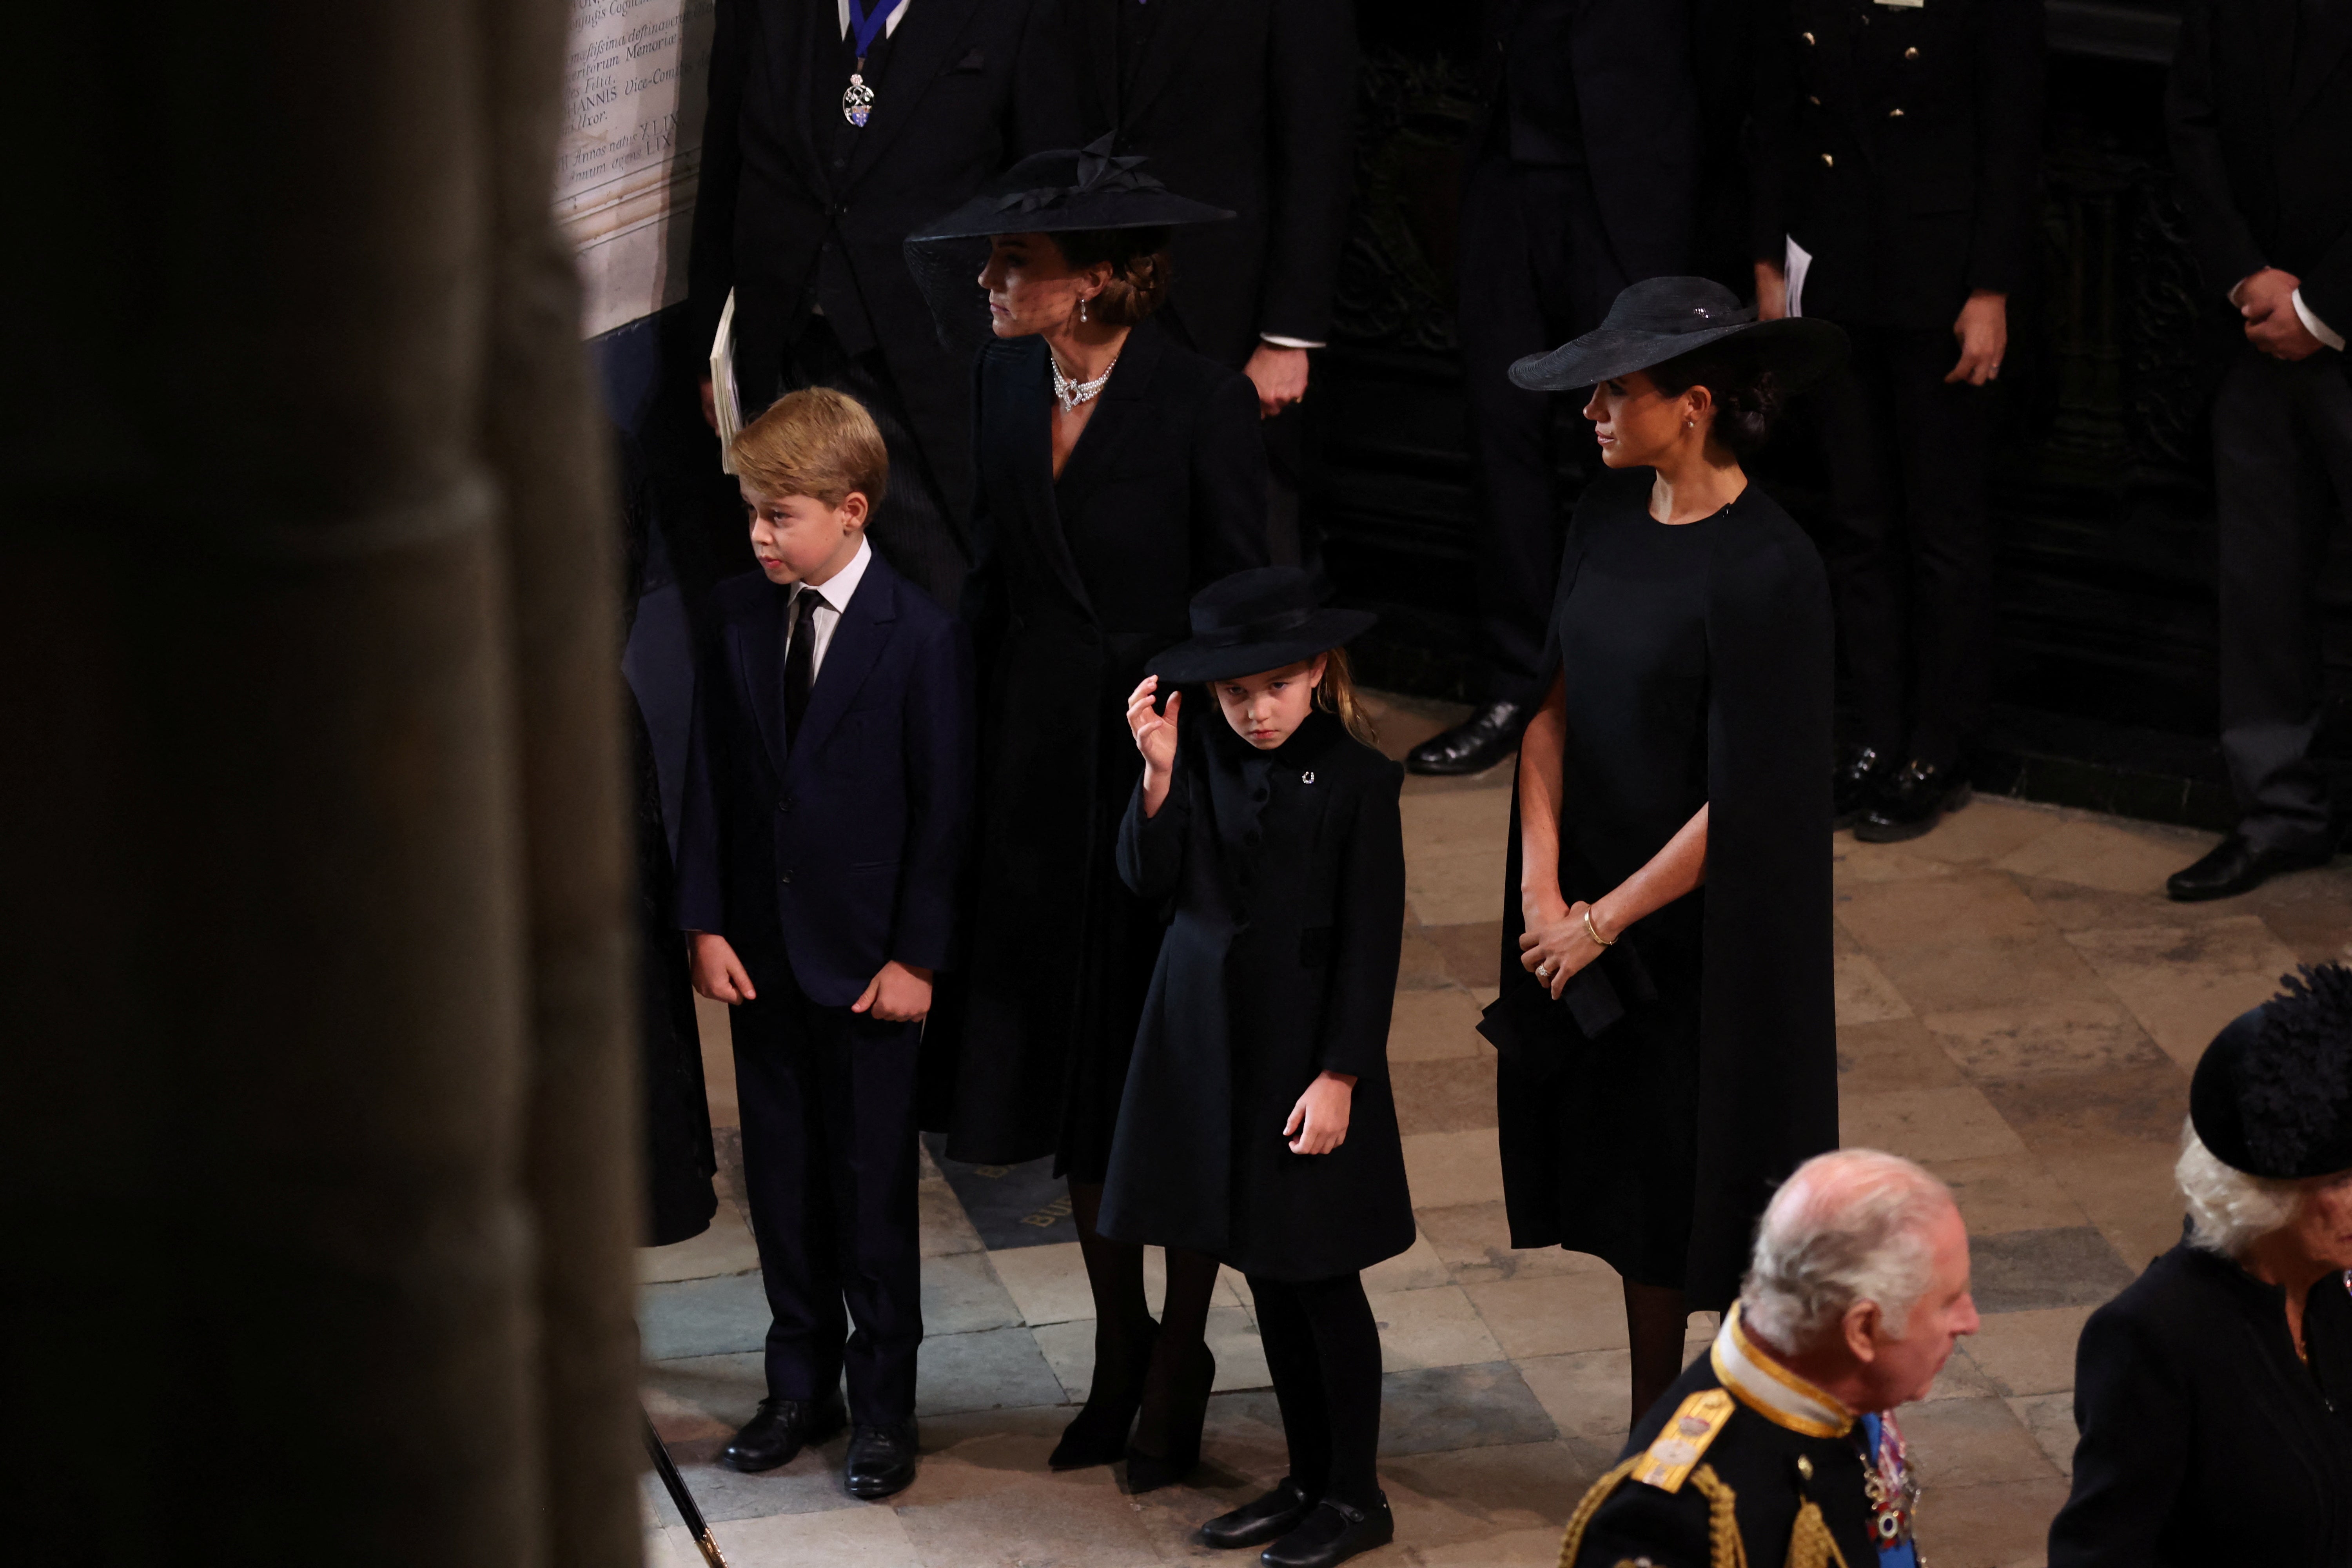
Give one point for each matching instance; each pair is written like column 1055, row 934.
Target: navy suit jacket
column 841, row 852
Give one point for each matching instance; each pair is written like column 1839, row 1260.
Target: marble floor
column 2018, row 1006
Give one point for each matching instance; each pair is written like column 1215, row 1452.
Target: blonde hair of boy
column 817, row 442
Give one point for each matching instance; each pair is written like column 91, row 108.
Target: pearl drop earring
column 1082, row 310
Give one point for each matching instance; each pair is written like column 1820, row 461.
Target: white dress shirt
column 2314, row 326
column 833, row 598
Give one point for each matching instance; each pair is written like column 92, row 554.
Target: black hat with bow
column 2272, row 1094
column 1054, row 193
column 1254, row 621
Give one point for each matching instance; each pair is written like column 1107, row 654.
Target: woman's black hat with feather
column 2272, row 1094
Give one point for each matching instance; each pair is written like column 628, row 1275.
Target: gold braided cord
column 1582, row 1519
column 1810, row 1545
column 1725, row 1549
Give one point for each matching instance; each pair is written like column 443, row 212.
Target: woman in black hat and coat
column 1665, row 1017
column 1116, row 474
column 1257, row 1125
column 2214, row 1395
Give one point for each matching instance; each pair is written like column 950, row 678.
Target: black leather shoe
column 1861, row 773
column 779, row 1431
column 881, row 1461
column 1912, row 801
column 1098, row 1433
column 1270, row 1518
column 1332, row 1534
column 2234, row 867
column 1473, row 746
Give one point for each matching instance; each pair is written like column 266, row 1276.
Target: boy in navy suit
column 828, row 795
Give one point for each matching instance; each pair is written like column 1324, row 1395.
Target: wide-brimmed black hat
column 2272, row 1094
column 1256, row 620
column 1661, row 318
column 1054, row 193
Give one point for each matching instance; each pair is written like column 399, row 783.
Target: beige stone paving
column 2017, row 1008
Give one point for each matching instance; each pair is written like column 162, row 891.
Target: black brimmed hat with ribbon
column 1254, row 621
column 1056, row 193
column 2272, row 1094
column 1661, row 318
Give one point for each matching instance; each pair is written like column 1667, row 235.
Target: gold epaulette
column 1684, row 1439
column 1725, row 1549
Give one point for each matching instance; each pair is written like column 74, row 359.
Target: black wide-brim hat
column 1056, row 193
column 1661, row 318
column 1258, row 620
column 2272, row 1094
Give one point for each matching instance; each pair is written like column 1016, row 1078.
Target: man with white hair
column 1775, row 1448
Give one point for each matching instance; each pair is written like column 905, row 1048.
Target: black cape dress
column 1284, row 872
column 1647, row 1117
column 1077, row 584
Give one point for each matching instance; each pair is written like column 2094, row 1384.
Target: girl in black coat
column 1258, row 1123
column 1117, row 474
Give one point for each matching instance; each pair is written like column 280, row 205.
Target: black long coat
column 1899, row 145
column 2204, row 1438
column 1077, row 582
column 1249, row 105
column 1284, row 871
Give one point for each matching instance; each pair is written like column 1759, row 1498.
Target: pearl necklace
column 1070, row 394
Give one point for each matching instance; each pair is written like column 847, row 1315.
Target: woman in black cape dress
column 1689, row 1062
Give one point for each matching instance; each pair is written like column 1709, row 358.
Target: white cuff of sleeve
column 2314, row 326
column 1282, row 342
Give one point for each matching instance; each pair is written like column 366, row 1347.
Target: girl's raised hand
column 1155, row 733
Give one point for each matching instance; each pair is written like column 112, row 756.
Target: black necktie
column 800, row 635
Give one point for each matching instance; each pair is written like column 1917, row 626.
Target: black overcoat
column 1076, row 584
column 1284, row 871
column 1248, row 105
column 2204, row 1438
column 1900, row 145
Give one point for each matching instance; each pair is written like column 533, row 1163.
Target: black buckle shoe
column 1912, row 802
column 881, row 1461
column 1861, row 773
column 2234, row 867
column 1473, row 746
column 1270, row 1518
column 1331, row 1535
column 779, row 1431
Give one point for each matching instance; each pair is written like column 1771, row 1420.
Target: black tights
column 1655, row 1320
column 1324, row 1351
column 1123, row 1326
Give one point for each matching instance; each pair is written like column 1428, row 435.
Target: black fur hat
column 2272, row 1094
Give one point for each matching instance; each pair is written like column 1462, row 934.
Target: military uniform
column 1744, row 1463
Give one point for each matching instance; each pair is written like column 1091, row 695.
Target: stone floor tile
column 702, row 1317
column 1553, row 1315
column 1475, row 1242
column 2050, row 1417
column 2183, row 984
column 1421, row 966
column 1854, row 863
column 1444, row 1169
column 984, row 1499
column 1472, row 952
column 1992, row 974
column 990, row 1370
column 1048, row 1284
column 1864, row 995
column 2005, row 1192
column 1455, row 845
column 1434, row 1327
column 2110, row 1141
column 1434, row 1025
column 1896, row 1054
column 726, row 1248
column 2071, row 907
column 961, row 1295
column 1010, row 1206
column 945, row 1228
column 1587, row 1394
column 853, row 1537
column 2003, row 1524
column 1502, row 1506
column 1402, row 722
column 1924, row 1124
column 1968, row 1442
column 1960, row 1378
column 1453, row 1095
column 2029, row 1353
column 2026, row 1270
column 2313, row 933
column 1418, row 1267
column 717, row 1037
column 2107, row 855
column 1069, row 1351
column 1441, row 1409
column 1233, row 1340
column 1986, row 830
column 1950, row 916
column 2032, row 1039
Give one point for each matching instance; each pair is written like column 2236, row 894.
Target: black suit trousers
column 1536, row 270
column 2282, row 454
column 1909, row 541
column 827, row 1099
column 913, row 527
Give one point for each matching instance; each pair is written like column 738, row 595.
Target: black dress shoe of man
column 1474, row 745
column 1334, row 1532
column 779, row 1431
column 1270, row 1518
column 1912, row 801
column 1861, row 773
column 881, row 1461
column 2234, row 867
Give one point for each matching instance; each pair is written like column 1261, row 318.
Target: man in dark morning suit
column 828, row 800
column 1897, row 146
column 1246, row 105
column 802, row 214
column 1582, row 176
column 2261, row 110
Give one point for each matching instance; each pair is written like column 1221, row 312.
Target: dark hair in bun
column 1747, row 397
column 1139, row 269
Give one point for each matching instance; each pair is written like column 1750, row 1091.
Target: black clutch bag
column 1527, row 1025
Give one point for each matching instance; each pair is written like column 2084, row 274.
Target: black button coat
column 1284, row 873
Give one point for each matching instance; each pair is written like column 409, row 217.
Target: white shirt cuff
column 1282, row 342
column 2314, row 326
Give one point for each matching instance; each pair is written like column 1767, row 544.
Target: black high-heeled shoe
column 1096, row 1434
column 1188, row 1413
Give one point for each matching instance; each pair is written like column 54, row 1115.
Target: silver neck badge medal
column 857, row 99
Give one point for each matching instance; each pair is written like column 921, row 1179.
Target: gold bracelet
column 1594, row 932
